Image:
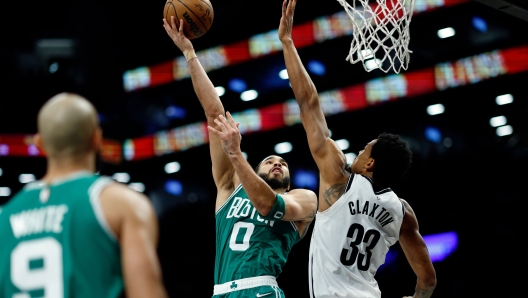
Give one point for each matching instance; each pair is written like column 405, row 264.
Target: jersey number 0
column 349, row 256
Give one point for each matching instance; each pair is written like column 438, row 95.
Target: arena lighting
column 343, row 144
column 371, row 64
column 249, row 95
column 433, row 134
column 175, row 112
column 220, row 90
column 54, row 67
column 498, row 121
column 173, row 187
column 137, row 186
column 5, row 191
column 172, row 167
column 245, row 155
column 305, row 179
column 283, row 74
column 350, row 157
column 1, row 172
column 4, row 149
column 504, row 99
column 448, row 142
column 440, row 246
column 446, row 32
column 504, row 130
column 316, row 68
column 479, row 24
column 26, row 178
column 121, row 177
column 282, row 148
column 435, row 109
column 237, row 85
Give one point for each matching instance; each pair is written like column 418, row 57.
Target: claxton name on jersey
column 242, row 207
column 383, row 216
column 35, row 221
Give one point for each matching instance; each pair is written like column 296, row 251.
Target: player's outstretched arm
column 131, row 216
column 329, row 158
column 204, row 89
column 417, row 254
column 300, row 204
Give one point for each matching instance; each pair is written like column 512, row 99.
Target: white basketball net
column 381, row 33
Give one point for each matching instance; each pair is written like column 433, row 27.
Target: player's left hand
column 286, row 22
column 177, row 35
column 228, row 133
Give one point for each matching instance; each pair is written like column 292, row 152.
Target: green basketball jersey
column 248, row 245
column 55, row 242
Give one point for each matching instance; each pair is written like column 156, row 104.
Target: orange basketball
column 197, row 15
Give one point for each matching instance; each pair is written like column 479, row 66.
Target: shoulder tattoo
column 334, row 192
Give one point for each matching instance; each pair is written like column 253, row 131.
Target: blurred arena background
column 462, row 106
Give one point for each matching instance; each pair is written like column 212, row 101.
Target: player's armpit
column 138, row 236
column 417, row 254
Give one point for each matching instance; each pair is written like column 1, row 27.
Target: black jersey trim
column 312, row 293
column 403, row 207
column 349, row 183
column 386, row 190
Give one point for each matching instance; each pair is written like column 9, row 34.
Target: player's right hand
column 177, row 35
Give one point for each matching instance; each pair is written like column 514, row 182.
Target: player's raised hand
column 286, row 22
column 177, row 35
column 228, row 133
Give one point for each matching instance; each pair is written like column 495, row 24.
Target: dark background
column 474, row 187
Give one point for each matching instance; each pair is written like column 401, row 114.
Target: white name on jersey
column 241, row 208
column 384, row 217
column 39, row 220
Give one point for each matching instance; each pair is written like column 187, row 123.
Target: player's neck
column 62, row 167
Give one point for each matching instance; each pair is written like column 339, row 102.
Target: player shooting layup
column 258, row 217
column 359, row 216
column 73, row 233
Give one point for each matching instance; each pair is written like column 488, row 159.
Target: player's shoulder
column 117, row 195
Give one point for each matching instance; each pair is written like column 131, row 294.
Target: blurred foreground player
column 359, row 217
column 73, row 233
column 258, row 217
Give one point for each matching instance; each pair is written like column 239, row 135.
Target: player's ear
column 369, row 166
column 37, row 141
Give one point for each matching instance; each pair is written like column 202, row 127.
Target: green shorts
column 256, row 292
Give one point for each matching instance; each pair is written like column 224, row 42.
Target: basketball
column 197, row 15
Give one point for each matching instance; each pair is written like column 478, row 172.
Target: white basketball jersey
column 350, row 240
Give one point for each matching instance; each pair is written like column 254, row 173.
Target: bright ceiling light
column 343, row 144
column 282, row 148
column 504, row 99
column 172, row 167
column 372, row 64
column 245, row 155
column 137, row 186
column 435, row 109
column 121, row 177
column 504, row 130
column 283, row 74
column 220, row 90
column 26, row 178
column 498, row 121
column 350, row 157
column 1, row 172
column 446, row 32
column 249, row 95
column 5, row 191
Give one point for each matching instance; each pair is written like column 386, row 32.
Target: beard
column 275, row 183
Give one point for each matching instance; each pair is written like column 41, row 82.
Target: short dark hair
column 392, row 158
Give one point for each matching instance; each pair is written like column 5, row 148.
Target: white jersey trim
column 230, row 197
column 94, row 192
column 245, row 283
